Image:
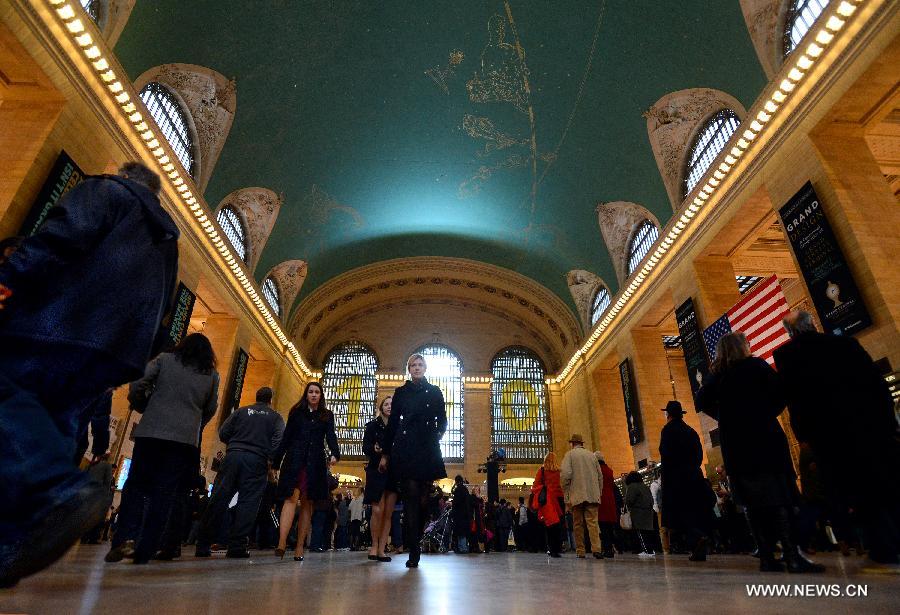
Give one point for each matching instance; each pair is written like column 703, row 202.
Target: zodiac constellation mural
column 441, row 74
column 504, row 75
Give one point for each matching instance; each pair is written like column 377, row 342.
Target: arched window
column 520, row 422
column 270, row 292
column 709, row 143
column 643, row 239
column 349, row 381
column 234, row 230
column 92, row 8
column 171, row 119
column 445, row 372
column 599, row 304
column 801, row 15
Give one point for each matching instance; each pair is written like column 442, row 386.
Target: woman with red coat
column 608, row 512
column 547, row 499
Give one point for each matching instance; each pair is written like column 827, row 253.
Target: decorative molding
column 210, row 100
column 289, row 276
column 673, row 123
column 258, row 209
column 618, row 220
column 765, row 24
column 584, row 285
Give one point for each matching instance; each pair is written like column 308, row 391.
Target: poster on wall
column 180, row 315
column 235, row 384
column 632, row 408
column 831, row 285
column 692, row 345
column 64, row 176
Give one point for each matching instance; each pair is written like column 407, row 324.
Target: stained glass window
column 708, row 145
column 599, row 304
column 172, row 121
column 234, row 230
column 270, row 292
column 801, row 15
column 349, row 381
column 445, row 372
column 641, row 242
column 520, row 422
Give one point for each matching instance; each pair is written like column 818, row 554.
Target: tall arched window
column 172, row 121
column 520, row 422
column 234, row 230
column 271, row 295
column 801, row 15
column 445, row 372
column 349, row 381
column 599, row 304
column 641, row 242
column 709, row 143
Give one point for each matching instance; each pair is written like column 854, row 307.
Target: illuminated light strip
column 94, row 55
column 796, row 74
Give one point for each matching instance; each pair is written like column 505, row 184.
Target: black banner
column 632, row 408
column 824, row 268
column 692, row 345
column 64, row 176
column 180, row 315
column 235, row 384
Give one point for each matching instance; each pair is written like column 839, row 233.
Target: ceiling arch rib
column 618, row 221
column 289, row 276
column 258, row 209
column 583, row 285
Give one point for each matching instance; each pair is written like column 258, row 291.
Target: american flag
column 758, row 315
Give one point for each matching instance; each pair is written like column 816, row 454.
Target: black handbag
column 542, row 496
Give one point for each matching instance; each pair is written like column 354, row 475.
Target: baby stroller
column 437, row 534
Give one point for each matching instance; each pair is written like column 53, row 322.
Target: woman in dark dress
column 743, row 394
column 380, row 492
column 411, row 450
column 304, row 472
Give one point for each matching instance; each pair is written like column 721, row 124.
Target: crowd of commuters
column 63, row 351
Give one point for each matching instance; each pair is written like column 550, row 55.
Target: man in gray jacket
column 582, row 482
column 252, row 435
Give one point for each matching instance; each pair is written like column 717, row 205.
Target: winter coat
column 182, row 401
column 374, row 434
column 746, row 400
column 608, row 511
column 303, row 447
column 841, row 405
column 551, row 512
column 461, row 511
column 99, row 275
column 504, row 517
column 686, row 495
column 640, row 504
column 256, row 429
column 581, row 477
column 413, row 433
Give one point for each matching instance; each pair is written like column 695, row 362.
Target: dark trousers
column 501, row 540
column 415, row 503
column 244, row 473
column 355, row 534
column 554, row 537
column 608, row 536
column 158, row 467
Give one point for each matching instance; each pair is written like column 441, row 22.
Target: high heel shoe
column 373, row 558
column 279, row 553
column 298, row 558
column 383, row 558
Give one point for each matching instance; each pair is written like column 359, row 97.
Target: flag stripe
column 758, row 316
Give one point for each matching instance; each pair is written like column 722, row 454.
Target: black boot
column 795, row 561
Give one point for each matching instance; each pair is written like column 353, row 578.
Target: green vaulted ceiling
column 404, row 128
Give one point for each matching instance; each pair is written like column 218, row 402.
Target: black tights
column 415, row 501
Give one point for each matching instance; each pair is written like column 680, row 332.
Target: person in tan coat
column 582, row 482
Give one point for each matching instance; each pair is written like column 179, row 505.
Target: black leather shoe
column 412, row 563
column 597, row 555
column 373, row 558
column 237, row 553
column 167, row 555
column 202, row 552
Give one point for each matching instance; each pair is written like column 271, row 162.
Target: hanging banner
column 64, row 176
column 632, row 408
column 822, row 263
column 180, row 315
column 232, row 400
column 692, row 345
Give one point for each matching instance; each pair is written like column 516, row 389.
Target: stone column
column 611, row 425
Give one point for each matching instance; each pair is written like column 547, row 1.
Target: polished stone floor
column 509, row 583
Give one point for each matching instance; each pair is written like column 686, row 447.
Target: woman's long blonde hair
column 550, row 464
column 732, row 347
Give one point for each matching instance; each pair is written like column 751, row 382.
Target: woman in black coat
column 381, row 492
column 304, row 472
column 743, row 394
column 412, row 449
column 462, row 514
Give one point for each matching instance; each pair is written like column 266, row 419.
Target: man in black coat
column 842, row 407
column 687, row 500
column 253, row 435
column 80, row 306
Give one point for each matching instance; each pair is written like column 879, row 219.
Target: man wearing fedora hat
column 582, row 482
column 687, row 499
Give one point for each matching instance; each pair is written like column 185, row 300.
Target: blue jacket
column 98, row 275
